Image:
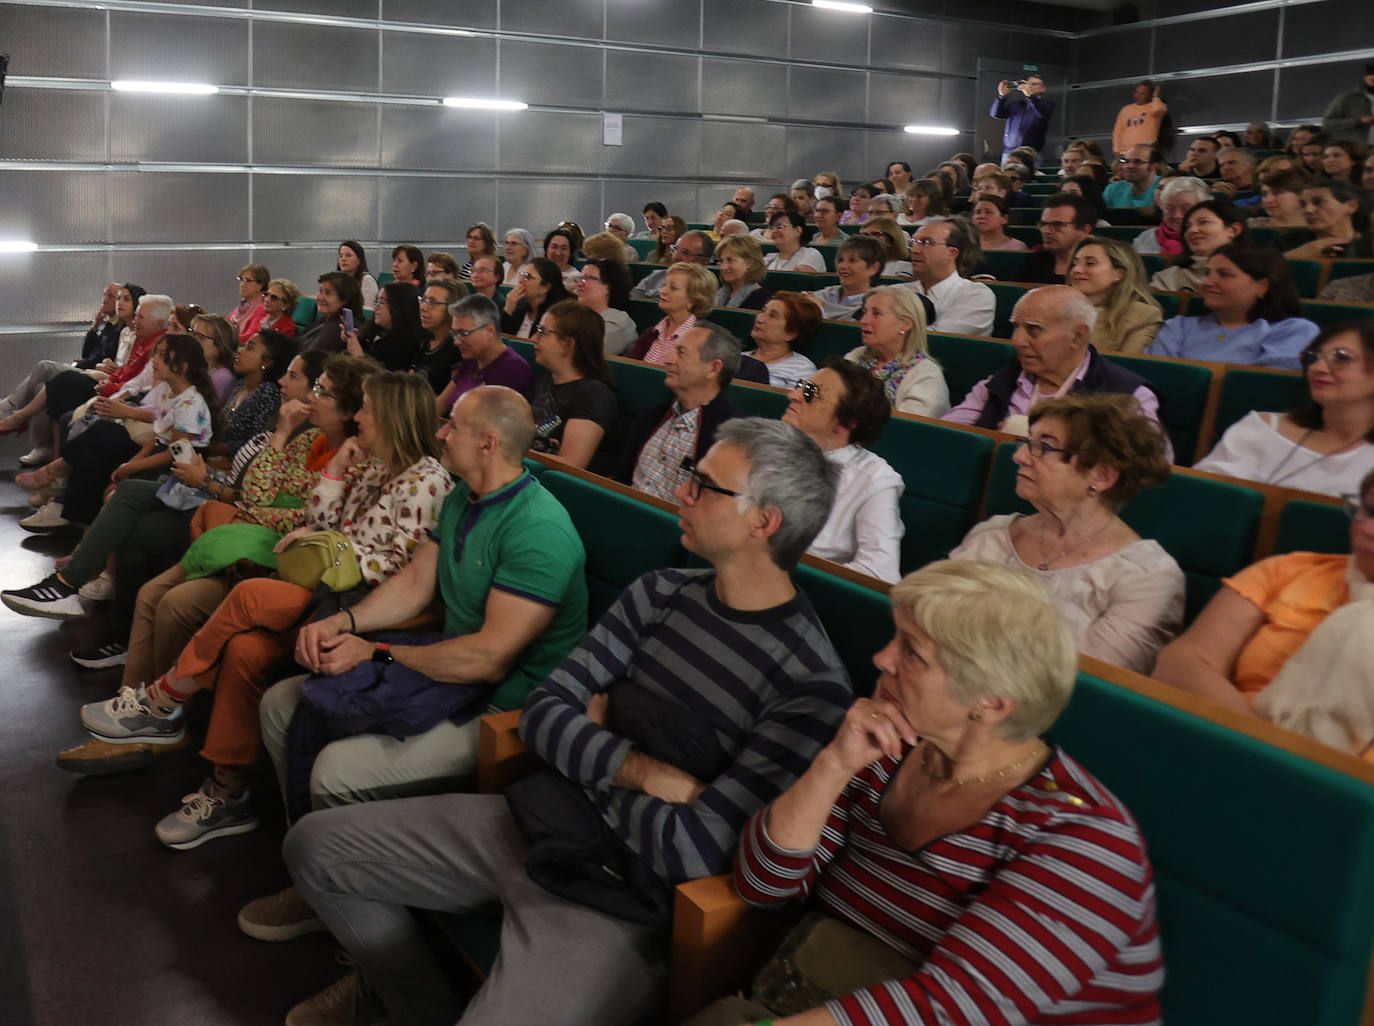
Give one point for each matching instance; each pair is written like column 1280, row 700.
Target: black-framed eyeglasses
column 1357, row 509
column 279, row 299
column 430, row 301
column 539, row 331
column 202, row 336
column 810, row 391
column 1335, row 358
column 1039, row 449
column 696, row 481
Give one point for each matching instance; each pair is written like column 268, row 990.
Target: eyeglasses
column 588, row 279
column 244, row 281
column 1336, row 358
column 469, row 332
column 1357, row 509
column 539, row 331
column 927, row 243
column 282, row 299
column 1039, row 449
column 319, row 392
column 202, row 336
column 430, row 301
column 1055, row 226
column 810, row 391
column 1133, row 163
column 686, row 254
column 525, row 276
column 696, row 482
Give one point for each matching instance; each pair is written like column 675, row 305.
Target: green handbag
column 320, row 558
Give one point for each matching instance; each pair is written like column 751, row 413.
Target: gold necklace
column 1044, row 564
column 1039, row 750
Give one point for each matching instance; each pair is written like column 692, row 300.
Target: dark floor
column 99, row 923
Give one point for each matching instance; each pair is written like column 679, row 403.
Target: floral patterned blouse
column 290, row 471
column 186, row 412
column 386, row 520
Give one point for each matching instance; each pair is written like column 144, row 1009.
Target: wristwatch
column 382, row 653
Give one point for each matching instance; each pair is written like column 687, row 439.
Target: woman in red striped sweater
column 1006, row 882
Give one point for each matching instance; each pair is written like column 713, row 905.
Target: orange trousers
column 234, row 653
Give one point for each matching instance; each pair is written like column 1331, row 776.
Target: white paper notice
column 612, row 129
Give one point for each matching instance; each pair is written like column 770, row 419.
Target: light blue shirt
column 1121, row 194
column 1259, row 344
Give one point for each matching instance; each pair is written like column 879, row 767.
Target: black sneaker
column 101, row 654
column 49, row 597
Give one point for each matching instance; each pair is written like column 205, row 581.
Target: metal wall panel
column 652, row 82
column 1041, row 49
column 583, row 19
column 539, row 205
column 832, row 37
column 314, row 132
column 676, row 24
column 961, row 46
column 1115, row 55
column 302, row 265
column 238, row 4
column 903, row 99
column 1338, row 21
column 196, row 129
column 654, row 146
column 67, row 43
column 546, row 73
column 741, row 87
column 743, row 151
column 178, row 48
column 903, row 43
column 1092, row 112
column 315, row 57
column 55, row 206
column 1238, row 39
column 477, row 14
column 46, row 288
column 205, row 278
column 822, row 94
column 629, row 197
column 314, row 208
column 438, row 139
column 424, row 65
column 157, row 206
column 432, row 208
column 754, row 27
column 334, row 8
column 52, row 124
column 539, row 141
column 1305, row 92
column 1214, row 100
column 825, row 149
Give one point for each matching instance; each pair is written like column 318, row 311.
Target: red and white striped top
column 1041, row 912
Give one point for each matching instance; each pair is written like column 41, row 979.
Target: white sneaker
column 99, row 588
column 37, row 457
column 48, row 518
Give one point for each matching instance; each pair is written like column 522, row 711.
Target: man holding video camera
column 1026, row 109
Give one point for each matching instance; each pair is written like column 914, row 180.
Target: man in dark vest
column 1052, row 326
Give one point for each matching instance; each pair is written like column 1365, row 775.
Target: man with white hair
column 622, row 226
column 1052, row 326
column 734, row 226
column 1238, row 181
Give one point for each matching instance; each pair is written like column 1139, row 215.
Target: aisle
column 99, row 923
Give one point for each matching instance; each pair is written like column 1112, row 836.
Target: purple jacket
column 1028, row 119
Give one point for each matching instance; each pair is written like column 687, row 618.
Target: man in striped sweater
column 735, row 650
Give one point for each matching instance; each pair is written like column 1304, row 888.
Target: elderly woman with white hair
column 893, row 326
column 518, row 247
column 622, row 226
column 958, row 863
column 1174, row 199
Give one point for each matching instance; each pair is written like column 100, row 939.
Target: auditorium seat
column 644, row 247
column 967, row 360
column 305, row 313
column 1186, row 386
column 1008, row 294
column 1309, row 525
column 1254, row 388
column 1326, row 314
column 1307, row 277
column 1337, row 269
column 1004, row 264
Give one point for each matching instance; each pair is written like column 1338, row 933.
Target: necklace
column 987, row 778
column 1274, row 478
column 1045, row 564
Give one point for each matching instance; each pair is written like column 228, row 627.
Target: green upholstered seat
column 385, row 278
column 1004, row 264
column 645, row 313
column 1307, row 526
column 797, row 281
column 641, row 269
column 737, row 322
column 757, row 400
column 1120, row 232
column 1154, row 263
column 1307, row 276
column 1027, row 233
column 1170, row 303
column 644, row 247
column 834, row 338
column 1040, row 188
column 1007, row 297
column 1264, row 236
column 829, row 252
column 857, row 618
column 639, row 385
column 305, row 313
column 1185, row 387
column 1326, row 314
column 967, row 360
column 1247, row 388
column 1349, row 269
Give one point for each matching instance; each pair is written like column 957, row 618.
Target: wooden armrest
column 502, row 758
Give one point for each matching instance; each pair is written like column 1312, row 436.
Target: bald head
column 1062, row 306
column 503, row 412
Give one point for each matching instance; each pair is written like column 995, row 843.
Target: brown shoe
column 346, row 1002
column 279, row 917
column 97, row 758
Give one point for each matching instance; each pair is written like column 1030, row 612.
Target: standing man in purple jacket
column 1026, row 110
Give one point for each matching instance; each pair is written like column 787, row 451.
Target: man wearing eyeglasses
column 962, row 307
column 696, row 699
column 1065, row 219
column 694, row 247
column 486, row 359
column 1136, row 187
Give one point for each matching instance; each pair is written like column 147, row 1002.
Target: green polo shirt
column 520, row 540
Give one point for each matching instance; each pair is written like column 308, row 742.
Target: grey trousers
column 362, row 867
column 40, row 425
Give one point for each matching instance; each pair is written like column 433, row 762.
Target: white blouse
column 1252, row 448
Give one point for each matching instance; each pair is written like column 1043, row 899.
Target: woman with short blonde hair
column 893, row 324
column 740, row 258
column 687, row 293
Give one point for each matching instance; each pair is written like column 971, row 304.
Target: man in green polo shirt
column 509, row 567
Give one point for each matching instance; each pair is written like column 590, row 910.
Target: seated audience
column 394, row 337
column 540, row 285
column 728, row 212
column 337, row 292
column 407, row 264
column 486, row 274
column 857, row 262
column 1239, row 176
column 734, row 226
column 480, row 241
column 606, row 246
column 803, row 197
column 1070, row 160
column 1201, row 158
column 1281, row 199
column 670, row 230
column 352, row 261
column 899, row 174
column 826, row 214
column 695, row 247
column 740, row 259
column 435, row 361
column 943, row 250
column 893, row 326
column 248, row 316
column 279, row 300
column 1051, row 331
column 382, row 489
column 1341, row 160
column 1088, row 186
column 991, row 215
column 559, row 247
column 1367, row 174
column 1207, row 227
column 604, row 286
column 1325, row 444
column 830, row 182
column 1254, row 314
column 787, row 230
column 924, row 199
column 518, row 249
column 1175, row 198
column 1259, row 136
column 1109, row 273
column 620, row 227
column 1338, row 223
column 859, row 197
column 440, row 265
column 1287, row 639
column 653, row 213
column 1138, row 182
column 1085, row 458
column 574, row 402
column 743, row 200
column 841, row 408
column 219, row 344
column 885, row 229
column 703, row 362
column 687, row 294
column 1312, row 152
column 787, row 323
column 485, row 359
column 934, row 832
column 1065, row 221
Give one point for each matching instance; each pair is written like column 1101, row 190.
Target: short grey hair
column 997, row 635
column 622, row 221
column 157, row 306
column 890, row 202
column 1242, row 153
column 1071, row 307
column 804, row 183
column 734, row 226
column 478, row 307
column 1021, row 169
column 789, row 473
column 1177, row 186
column 720, row 344
column 965, row 239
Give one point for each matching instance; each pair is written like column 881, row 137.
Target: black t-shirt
column 583, row 399
column 1038, row 267
column 437, row 364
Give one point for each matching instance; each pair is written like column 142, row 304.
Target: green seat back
column 1120, row 232
column 645, row 313
column 1029, row 234
column 797, row 281
column 857, row 618
column 1350, row 268
column 639, row 385
column 945, row 470
column 967, row 360
column 1307, row 276
column 534, row 467
column 1185, row 388
column 385, row 278
column 757, row 400
column 1326, row 314
column 644, row 247
column 1245, row 388
column 834, row 338
column 623, row 537
column 1154, row 263
column 523, row 346
column 1004, row 263
column 1264, row 236
column 1307, row 526
column 737, row 322
column 305, row 313
column 1261, row 860
column 829, row 252
column 1040, row 188
column 1209, row 527
column 641, row 269
column 1007, row 297
column 1170, row 303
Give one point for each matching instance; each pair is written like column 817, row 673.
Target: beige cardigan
column 1136, row 331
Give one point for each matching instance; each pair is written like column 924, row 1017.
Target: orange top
column 1295, row 592
column 1137, row 123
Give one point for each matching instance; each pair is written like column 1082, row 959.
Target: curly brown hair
column 1110, row 429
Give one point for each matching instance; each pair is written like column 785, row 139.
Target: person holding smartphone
column 340, row 306
column 1026, row 109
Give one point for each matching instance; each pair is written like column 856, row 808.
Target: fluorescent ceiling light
column 930, row 130
column 17, row 246
column 469, row 103
column 169, row 88
column 839, row 5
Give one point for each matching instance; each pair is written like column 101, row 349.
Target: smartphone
column 347, row 316
column 182, row 451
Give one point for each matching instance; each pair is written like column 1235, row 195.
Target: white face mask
column 821, row 192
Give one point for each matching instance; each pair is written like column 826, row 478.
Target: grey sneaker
column 203, row 817
column 128, row 719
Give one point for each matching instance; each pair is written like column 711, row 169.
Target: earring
column 976, row 717
column 1092, row 489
